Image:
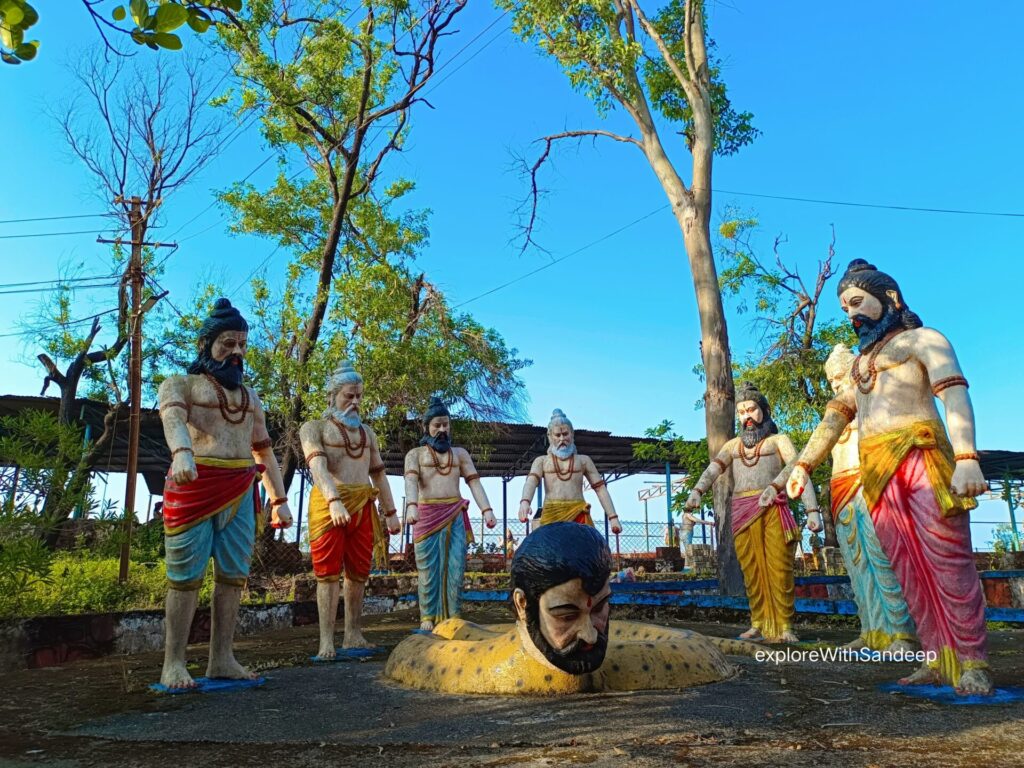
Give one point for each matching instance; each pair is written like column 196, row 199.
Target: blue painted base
column 948, row 695
column 208, row 685
column 344, row 654
column 423, row 632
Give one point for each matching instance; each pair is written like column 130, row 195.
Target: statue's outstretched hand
column 489, row 519
column 968, row 481
column 183, row 468
column 798, row 480
column 525, row 511
column 280, row 516
column 814, row 521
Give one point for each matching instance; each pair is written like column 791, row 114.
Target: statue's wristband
column 970, row 456
column 805, row 467
column 390, row 512
column 183, row 449
column 279, row 502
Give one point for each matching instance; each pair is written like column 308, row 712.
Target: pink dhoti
column 925, row 532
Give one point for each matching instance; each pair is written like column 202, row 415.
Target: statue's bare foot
column 427, row 625
column 857, row 644
column 925, row 675
column 975, row 682
column 902, row 646
column 788, row 636
column 176, row 676
column 753, row 634
column 326, row 652
column 354, row 639
column 228, row 669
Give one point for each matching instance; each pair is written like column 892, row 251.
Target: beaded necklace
column 867, row 383
column 747, row 460
column 354, row 452
column 447, row 468
column 228, row 411
column 558, row 471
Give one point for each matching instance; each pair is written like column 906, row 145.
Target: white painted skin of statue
column 771, row 456
column 330, row 464
column 897, row 378
column 880, row 601
column 194, row 426
column 563, row 471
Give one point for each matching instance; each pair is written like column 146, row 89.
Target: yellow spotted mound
column 461, row 657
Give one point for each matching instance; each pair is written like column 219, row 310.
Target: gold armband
column 946, row 383
column 314, row 455
column 174, row 404
column 261, row 444
column 842, row 408
column 598, row 484
column 378, row 468
column 721, row 464
column 471, row 478
column 970, row 456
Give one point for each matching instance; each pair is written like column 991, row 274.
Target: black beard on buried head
column 755, row 433
column 441, row 442
column 574, row 659
column 871, row 331
column 228, row 372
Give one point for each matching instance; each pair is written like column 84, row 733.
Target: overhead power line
column 57, row 218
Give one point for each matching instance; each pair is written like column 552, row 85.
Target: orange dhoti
column 762, row 537
column 352, row 546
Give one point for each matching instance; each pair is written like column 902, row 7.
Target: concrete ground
column 102, row 713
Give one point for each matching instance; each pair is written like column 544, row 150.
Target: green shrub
column 81, row 584
column 25, row 561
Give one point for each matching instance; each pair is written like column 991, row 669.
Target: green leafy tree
column 46, row 475
column 793, row 339
column 335, row 92
column 155, row 25
column 662, row 72
column 691, row 455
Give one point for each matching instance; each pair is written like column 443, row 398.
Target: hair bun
column 861, row 265
column 221, row 303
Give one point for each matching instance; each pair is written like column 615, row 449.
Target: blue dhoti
column 881, row 607
column 442, row 535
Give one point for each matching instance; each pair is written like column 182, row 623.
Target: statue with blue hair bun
column 562, row 471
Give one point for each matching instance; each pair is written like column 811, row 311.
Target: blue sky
column 909, row 104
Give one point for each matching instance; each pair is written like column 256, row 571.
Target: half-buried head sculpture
column 563, row 641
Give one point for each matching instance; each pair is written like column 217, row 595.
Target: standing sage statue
column 215, row 428
column 918, row 481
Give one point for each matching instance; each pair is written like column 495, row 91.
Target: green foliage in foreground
column 81, row 584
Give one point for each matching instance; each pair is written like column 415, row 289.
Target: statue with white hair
column 562, row 471
column 345, row 531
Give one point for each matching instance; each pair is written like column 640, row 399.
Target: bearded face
column 753, row 426
column 568, row 626
column 562, row 441
column 872, row 319
column 345, row 405
column 438, row 434
column 223, row 359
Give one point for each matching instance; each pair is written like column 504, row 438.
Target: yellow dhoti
column 763, row 547
column 559, row 511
